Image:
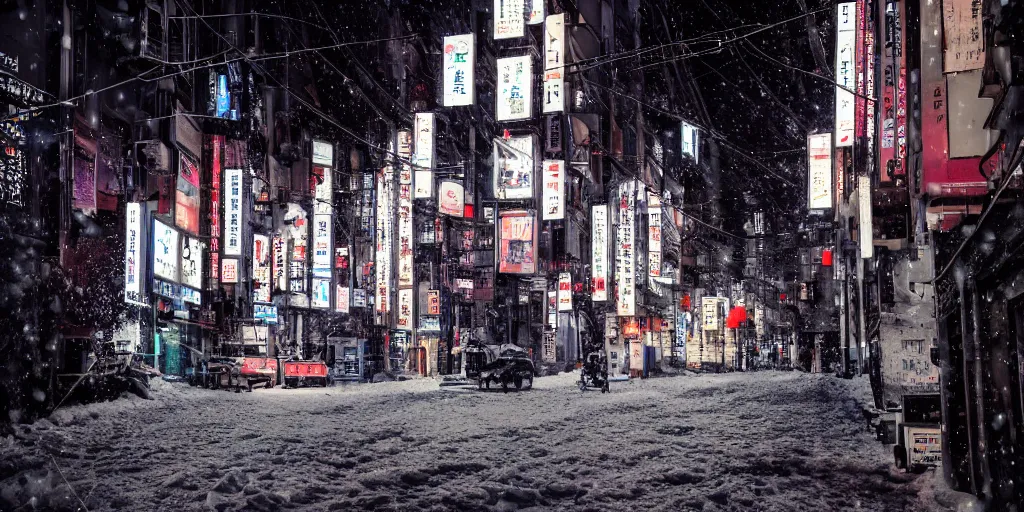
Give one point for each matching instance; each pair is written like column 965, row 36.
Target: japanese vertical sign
column 191, row 262
column 423, row 158
column 846, row 73
column 279, row 269
column 433, row 302
column 215, row 207
column 509, row 19
column 405, row 313
column 233, row 212
column 382, row 266
column 165, row 251
column 819, row 171
column 867, row 249
column 459, row 61
column 517, row 252
column 133, row 241
column 229, row 270
column 260, row 268
column 599, row 252
column 710, row 312
column 893, row 125
column 405, row 212
column 625, row 251
column 554, row 63
column 965, row 41
column 186, row 196
column 321, row 293
column 515, row 88
column 342, row 299
column 564, row 291
column 553, row 196
column 322, row 238
column 653, row 234
column 534, row 12
column 513, row 167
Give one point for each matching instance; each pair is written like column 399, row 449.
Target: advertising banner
column 554, row 41
column 423, row 157
column 599, row 252
column 553, row 195
column 710, row 312
column 165, row 251
column 515, row 88
column 342, row 299
column 846, row 42
column 186, row 196
column 191, row 262
column 322, row 239
column 513, row 167
column 260, row 268
column 405, row 211
column 233, row 212
column 133, row 253
column 323, row 195
column 459, row 64
column 517, row 252
column 625, row 251
column 323, row 153
column 819, row 171
column 451, row 199
column 405, row 309
column 279, row 268
column 564, row 291
column 553, row 99
column 653, row 234
column 321, row 293
column 433, row 302
column 229, row 270
column 509, row 19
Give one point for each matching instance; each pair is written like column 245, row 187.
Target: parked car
column 508, row 371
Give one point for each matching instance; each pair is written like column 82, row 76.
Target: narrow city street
column 760, row 441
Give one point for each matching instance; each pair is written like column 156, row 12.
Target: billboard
column 553, row 194
column 965, row 35
column 233, row 212
column 260, row 268
column 517, row 253
column 165, row 251
column 564, row 291
column 710, row 312
column 323, row 195
column 513, row 167
column 509, row 19
column 625, row 251
column 514, row 99
column 191, row 262
column 846, row 76
column 819, row 171
column 459, row 62
column 423, row 157
column 554, row 41
column 405, row 211
column 451, row 199
column 186, row 195
column 599, row 252
column 384, row 244
column 553, row 100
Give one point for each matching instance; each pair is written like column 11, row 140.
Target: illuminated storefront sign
column 846, row 80
column 261, row 268
column 405, row 309
column 186, row 197
column 229, row 270
column 509, row 19
column 191, row 262
column 553, row 194
column 321, row 293
column 564, row 292
column 819, row 171
column 423, row 156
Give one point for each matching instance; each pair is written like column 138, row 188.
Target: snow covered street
column 764, row 441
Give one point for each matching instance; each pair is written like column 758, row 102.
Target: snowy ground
column 765, row 441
